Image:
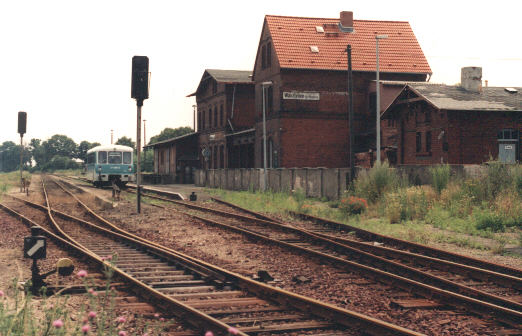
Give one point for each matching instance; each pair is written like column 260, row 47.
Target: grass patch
column 11, row 180
column 482, row 213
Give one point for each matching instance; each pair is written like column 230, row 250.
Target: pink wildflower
column 57, row 324
column 233, row 331
column 156, row 315
column 1, row 293
column 93, row 292
column 122, row 333
column 209, row 333
column 82, row 274
column 162, row 319
column 121, row 319
column 86, row 328
column 92, row 314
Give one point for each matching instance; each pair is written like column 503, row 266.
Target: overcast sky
column 68, row 63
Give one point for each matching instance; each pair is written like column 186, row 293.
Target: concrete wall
column 330, row 183
column 313, row 182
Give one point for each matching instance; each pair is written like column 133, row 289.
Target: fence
column 313, row 182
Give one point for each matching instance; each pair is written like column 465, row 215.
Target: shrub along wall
column 313, row 182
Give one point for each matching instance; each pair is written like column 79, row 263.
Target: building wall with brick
column 454, row 137
column 319, row 124
column 223, row 108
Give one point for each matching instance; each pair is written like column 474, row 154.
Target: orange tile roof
column 293, row 37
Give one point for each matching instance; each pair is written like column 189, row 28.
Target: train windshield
column 102, row 157
column 127, row 157
column 115, row 157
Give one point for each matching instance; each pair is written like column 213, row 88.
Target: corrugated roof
column 293, row 36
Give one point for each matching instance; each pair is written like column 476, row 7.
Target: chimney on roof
column 346, row 22
column 471, row 79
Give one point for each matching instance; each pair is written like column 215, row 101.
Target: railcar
column 108, row 163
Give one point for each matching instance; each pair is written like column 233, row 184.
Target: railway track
column 451, row 283
column 208, row 297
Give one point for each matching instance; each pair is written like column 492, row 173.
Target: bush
column 487, row 220
column 407, row 204
column 440, row 176
column 516, row 175
column 497, row 178
column 60, row 162
column 380, row 179
column 353, row 205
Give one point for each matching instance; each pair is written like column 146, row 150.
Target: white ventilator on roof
column 319, row 29
column 314, row 49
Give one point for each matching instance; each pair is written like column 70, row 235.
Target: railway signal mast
column 22, row 123
column 140, row 92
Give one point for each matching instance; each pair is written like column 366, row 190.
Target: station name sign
column 301, row 95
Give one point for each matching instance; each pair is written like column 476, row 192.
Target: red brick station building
column 301, row 64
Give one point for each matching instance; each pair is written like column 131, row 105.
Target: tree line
column 61, row 152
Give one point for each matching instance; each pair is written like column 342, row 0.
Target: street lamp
column 378, row 99
column 263, row 86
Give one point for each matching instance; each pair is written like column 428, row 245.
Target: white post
column 378, row 100
column 264, row 140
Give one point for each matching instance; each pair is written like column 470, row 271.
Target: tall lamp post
column 194, row 116
column 378, row 100
column 264, row 85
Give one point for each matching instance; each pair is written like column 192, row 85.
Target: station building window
column 428, row 141
column 418, row 142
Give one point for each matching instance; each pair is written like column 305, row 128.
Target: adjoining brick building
column 464, row 124
column 306, row 103
column 176, row 159
column 225, row 116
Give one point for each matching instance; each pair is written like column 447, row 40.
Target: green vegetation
column 11, row 180
column 60, row 152
column 440, row 177
column 481, row 213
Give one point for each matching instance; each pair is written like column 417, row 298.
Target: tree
column 38, row 152
column 60, row 145
column 147, row 164
column 126, row 141
column 169, row 133
column 10, row 157
column 83, row 147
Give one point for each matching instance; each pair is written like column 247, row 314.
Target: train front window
column 102, row 157
column 115, row 157
column 127, row 156
column 91, row 158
